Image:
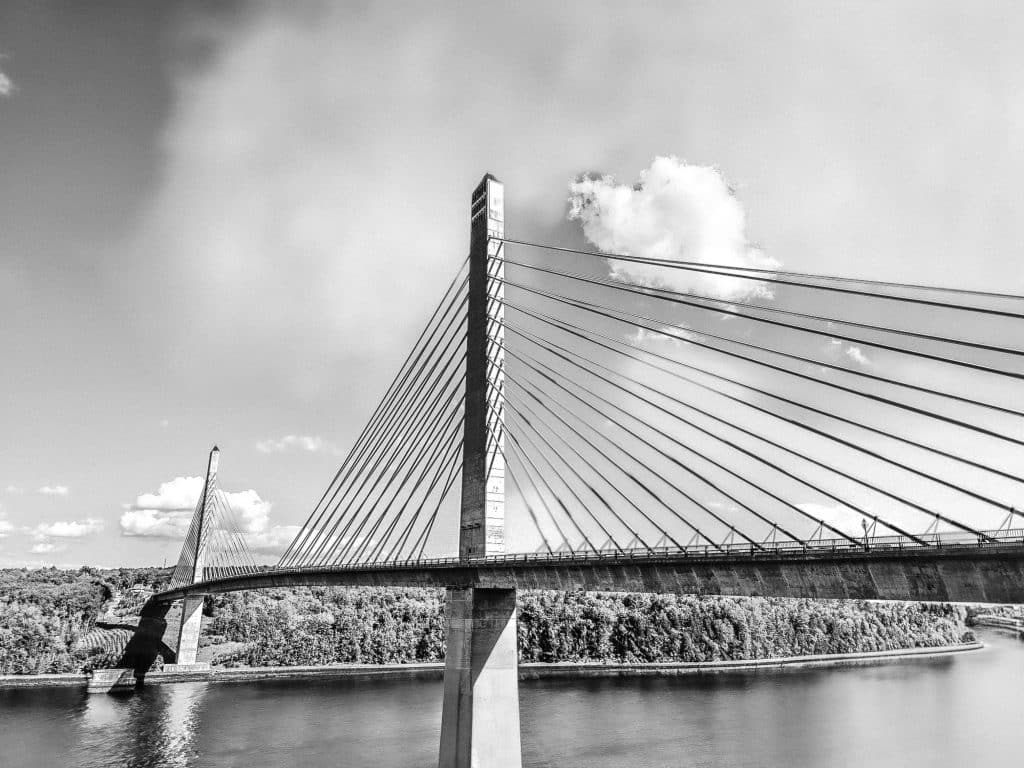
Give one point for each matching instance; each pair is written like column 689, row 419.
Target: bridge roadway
column 889, row 569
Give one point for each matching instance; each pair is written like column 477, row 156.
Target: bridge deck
column 992, row 571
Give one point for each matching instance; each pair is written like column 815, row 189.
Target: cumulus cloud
column 855, row 354
column 168, row 513
column 45, row 533
column 676, row 212
column 14, row 490
column 273, row 541
column 54, row 490
column 45, row 547
column 5, row 528
column 69, row 529
column 6, row 86
column 674, row 336
column 165, row 514
column 307, row 443
column 836, row 351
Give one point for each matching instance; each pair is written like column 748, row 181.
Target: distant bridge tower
column 192, row 572
column 480, row 718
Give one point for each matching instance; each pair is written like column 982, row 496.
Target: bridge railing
column 703, row 551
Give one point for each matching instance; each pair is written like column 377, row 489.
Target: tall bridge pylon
column 214, row 547
column 480, row 715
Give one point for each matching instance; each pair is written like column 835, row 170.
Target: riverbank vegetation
column 48, row 624
column 323, row 625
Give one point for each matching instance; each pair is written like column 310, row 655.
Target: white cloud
column 181, row 493
column 168, row 513
column 164, row 423
column 273, row 541
column 69, row 529
column 54, row 490
column 674, row 336
column 857, row 356
column 45, row 547
column 836, row 349
column 5, row 528
column 14, row 490
column 162, row 524
column 6, row 86
column 678, row 212
column 308, row 443
column 251, row 513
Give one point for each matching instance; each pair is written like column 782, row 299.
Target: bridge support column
column 480, row 719
column 192, row 607
column 189, row 631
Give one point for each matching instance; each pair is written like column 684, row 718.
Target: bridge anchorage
column 650, row 453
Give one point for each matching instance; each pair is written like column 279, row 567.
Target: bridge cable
column 384, row 405
column 662, row 328
column 530, row 413
column 409, row 396
column 750, row 433
column 579, row 332
column 452, row 467
column 569, row 465
column 766, row 276
column 671, row 458
column 439, row 450
column 430, row 429
column 667, row 294
column 432, row 425
column 543, row 403
column 814, row 331
column 689, row 470
column 407, row 419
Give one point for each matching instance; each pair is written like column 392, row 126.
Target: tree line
column 48, row 624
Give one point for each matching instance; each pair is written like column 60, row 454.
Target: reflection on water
column 161, row 721
column 956, row 711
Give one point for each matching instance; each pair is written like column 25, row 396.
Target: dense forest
column 325, row 625
column 48, row 624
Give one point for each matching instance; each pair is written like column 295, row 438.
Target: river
column 962, row 710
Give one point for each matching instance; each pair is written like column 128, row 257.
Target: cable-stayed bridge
column 569, row 419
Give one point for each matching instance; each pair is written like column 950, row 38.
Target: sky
column 227, row 223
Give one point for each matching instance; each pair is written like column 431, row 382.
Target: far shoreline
column 527, row 671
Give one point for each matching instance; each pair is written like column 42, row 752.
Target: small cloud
column 14, row 490
column 307, row 443
column 164, row 423
column 5, row 528
column 46, row 547
column 857, row 356
column 273, row 541
column 836, row 349
column 6, row 86
column 54, row 490
column 69, row 529
column 674, row 336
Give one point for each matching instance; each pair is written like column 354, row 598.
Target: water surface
column 951, row 712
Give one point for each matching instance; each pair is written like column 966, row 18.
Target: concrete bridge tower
column 187, row 646
column 480, row 718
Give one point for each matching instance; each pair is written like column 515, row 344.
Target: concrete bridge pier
column 480, row 717
column 187, row 646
